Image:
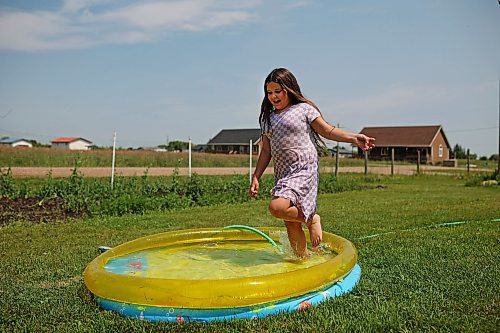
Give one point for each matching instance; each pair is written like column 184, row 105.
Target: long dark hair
column 287, row 81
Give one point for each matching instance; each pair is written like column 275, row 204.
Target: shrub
column 8, row 187
column 141, row 194
column 478, row 178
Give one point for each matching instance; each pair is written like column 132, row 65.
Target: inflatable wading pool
column 218, row 274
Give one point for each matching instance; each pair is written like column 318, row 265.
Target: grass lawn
column 418, row 273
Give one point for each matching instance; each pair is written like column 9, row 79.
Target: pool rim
column 214, row 294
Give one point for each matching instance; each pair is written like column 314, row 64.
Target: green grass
column 418, row 275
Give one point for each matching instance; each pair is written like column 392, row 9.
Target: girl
column 291, row 126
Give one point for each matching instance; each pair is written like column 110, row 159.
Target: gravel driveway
column 106, row 172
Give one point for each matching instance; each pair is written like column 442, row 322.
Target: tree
column 177, row 145
column 38, row 144
column 459, row 151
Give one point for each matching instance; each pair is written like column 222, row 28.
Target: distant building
column 407, row 141
column 200, row 148
column 16, row 142
column 343, row 152
column 71, row 143
column 235, row 141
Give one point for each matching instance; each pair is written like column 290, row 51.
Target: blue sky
column 171, row 70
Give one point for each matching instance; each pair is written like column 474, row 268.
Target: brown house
column 407, row 141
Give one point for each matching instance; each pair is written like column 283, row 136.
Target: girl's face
column 277, row 96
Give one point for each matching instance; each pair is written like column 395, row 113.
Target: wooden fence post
column 418, row 161
column 468, row 161
column 113, row 161
column 366, row 162
column 250, row 168
column 189, row 156
column 392, row 161
column 337, row 161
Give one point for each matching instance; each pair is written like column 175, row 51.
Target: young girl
column 291, row 126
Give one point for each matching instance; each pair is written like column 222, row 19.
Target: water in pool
column 223, row 260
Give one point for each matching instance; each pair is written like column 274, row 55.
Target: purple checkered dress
column 296, row 166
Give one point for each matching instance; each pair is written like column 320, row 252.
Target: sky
column 157, row 71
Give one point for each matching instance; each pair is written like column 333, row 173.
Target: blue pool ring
column 154, row 313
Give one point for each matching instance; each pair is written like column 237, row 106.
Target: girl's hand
column 254, row 188
column 364, row 142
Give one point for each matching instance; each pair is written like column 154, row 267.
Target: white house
column 16, row 142
column 71, row 143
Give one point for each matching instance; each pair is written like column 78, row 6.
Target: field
column 421, row 272
column 53, row 158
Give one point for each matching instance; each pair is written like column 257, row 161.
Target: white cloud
column 394, row 98
column 455, row 106
column 179, row 15
column 86, row 23
column 74, row 6
column 299, row 3
column 18, row 29
column 154, row 15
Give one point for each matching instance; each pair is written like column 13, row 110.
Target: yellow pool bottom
column 207, row 261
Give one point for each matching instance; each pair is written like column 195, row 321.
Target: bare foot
column 315, row 231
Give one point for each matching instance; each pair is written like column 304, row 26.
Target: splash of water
column 289, row 254
column 285, row 245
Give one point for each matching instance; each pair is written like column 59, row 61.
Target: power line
column 24, row 133
column 472, row 129
column 5, row 114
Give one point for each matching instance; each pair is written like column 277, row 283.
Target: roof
column 11, row 141
column 404, row 136
column 68, row 140
column 342, row 150
column 236, row 136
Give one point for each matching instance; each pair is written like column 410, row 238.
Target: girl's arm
column 336, row 134
column 262, row 163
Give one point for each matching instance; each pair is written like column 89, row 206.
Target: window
column 440, row 151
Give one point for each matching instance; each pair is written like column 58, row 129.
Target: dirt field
column 106, row 172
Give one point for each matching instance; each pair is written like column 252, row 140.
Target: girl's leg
column 283, row 209
column 297, row 238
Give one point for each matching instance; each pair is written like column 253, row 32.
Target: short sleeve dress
column 295, row 157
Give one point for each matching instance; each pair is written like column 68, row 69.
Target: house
column 16, row 142
column 343, row 151
column 235, row 141
column 71, row 143
column 407, row 141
